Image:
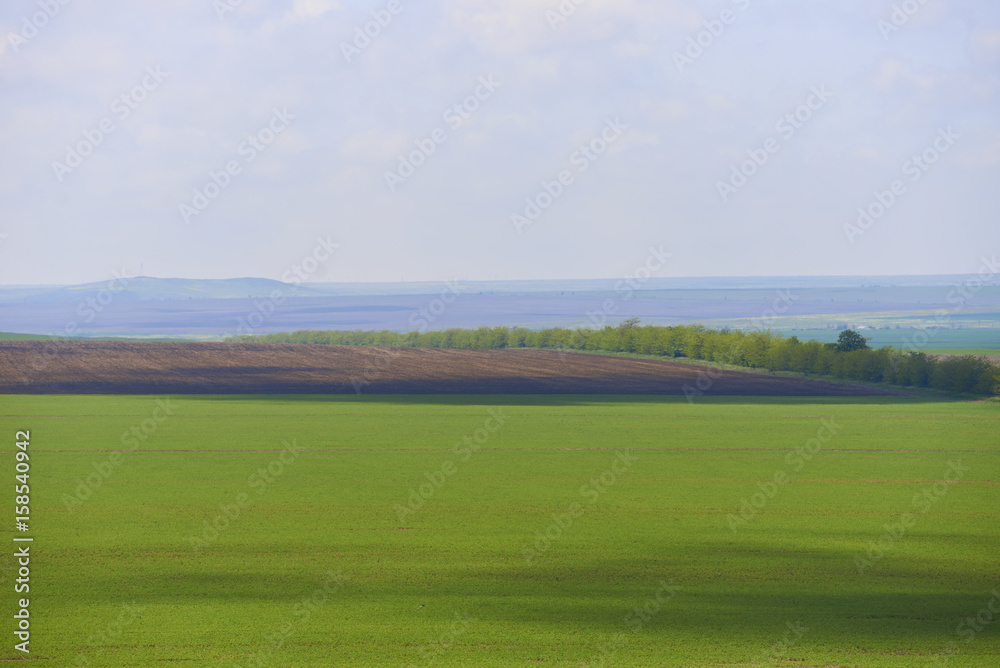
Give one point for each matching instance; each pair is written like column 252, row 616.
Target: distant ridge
column 208, row 309
column 147, row 288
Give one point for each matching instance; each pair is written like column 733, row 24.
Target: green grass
column 13, row 336
column 962, row 341
column 964, row 351
column 333, row 509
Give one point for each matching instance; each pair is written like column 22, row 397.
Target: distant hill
column 146, row 288
column 209, row 309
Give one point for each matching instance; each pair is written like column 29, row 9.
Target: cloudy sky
column 488, row 139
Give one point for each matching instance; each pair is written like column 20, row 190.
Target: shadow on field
column 601, row 595
column 879, row 607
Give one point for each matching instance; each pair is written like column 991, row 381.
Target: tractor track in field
column 123, row 367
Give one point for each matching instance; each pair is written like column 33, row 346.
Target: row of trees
column 850, row 358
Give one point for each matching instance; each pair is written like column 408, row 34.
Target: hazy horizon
column 643, row 285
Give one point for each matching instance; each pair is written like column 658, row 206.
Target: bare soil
column 109, row 367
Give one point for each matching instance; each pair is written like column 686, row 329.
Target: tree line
column 850, row 358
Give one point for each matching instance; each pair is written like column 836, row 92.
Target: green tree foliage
column 849, row 341
column 850, row 358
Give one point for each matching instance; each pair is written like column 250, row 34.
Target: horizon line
column 481, row 280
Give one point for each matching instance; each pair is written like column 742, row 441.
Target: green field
column 964, row 351
column 12, row 336
column 645, row 563
column 981, row 340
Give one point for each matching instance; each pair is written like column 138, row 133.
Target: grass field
column 979, row 340
column 12, row 336
column 964, row 351
column 578, row 530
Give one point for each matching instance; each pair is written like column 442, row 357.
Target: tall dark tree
column 850, row 340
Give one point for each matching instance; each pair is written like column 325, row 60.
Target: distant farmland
column 105, row 367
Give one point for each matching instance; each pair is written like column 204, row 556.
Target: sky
column 393, row 140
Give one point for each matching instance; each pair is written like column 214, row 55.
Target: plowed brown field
column 99, row 367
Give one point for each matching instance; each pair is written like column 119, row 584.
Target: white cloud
column 513, row 27
column 635, row 139
column 373, row 146
column 631, row 49
column 303, row 11
column 509, row 27
column 718, row 102
column 671, row 111
column 292, row 141
column 984, row 155
column 893, row 72
column 986, row 44
column 867, row 153
column 931, row 14
column 310, row 9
